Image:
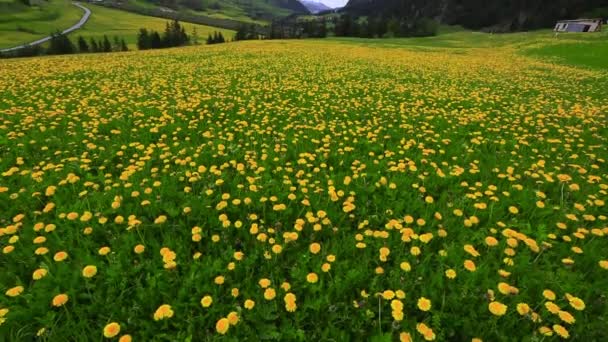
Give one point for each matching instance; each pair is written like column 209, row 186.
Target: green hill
column 255, row 11
column 23, row 24
column 20, row 23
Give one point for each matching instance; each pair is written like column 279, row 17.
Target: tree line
column 346, row 25
column 60, row 44
column 174, row 35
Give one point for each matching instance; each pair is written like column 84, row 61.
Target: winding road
column 83, row 20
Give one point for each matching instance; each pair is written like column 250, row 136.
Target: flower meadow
column 300, row 191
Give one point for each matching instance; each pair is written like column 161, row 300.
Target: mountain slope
column 500, row 15
column 232, row 9
column 314, row 6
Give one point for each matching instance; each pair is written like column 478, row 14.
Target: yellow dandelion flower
column 206, row 301
column 125, row 338
column 497, row 308
column 163, row 312
column 233, row 318
column 424, row 304
column 577, row 303
column 138, row 249
column 39, row 274
column 60, row 300
column 89, row 271
column 60, row 256
column 312, row 278
column 269, row 293
column 561, row 331
column 545, row 331
column 222, row 326
column 249, row 304
column 566, row 317
column 405, row 337
column 111, row 330
column 523, row 309
column 14, row 291
column 469, row 265
column 548, row 294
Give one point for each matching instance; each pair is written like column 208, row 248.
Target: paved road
column 83, row 20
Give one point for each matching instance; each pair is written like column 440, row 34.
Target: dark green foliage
column 174, row 35
column 143, row 39
column 155, row 41
column 123, row 45
column 106, row 46
column 246, row 32
column 494, row 15
column 377, row 27
column 95, row 46
column 216, row 38
column 196, row 5
column 60, row 44
column 292, row 27
column 83, row 46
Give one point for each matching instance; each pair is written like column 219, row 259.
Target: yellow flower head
column 222, row 326
column 125, row 338
column 424, row 304
column 163, row 312
column 14, row 291
column 89, row 271
column 39, row 274
column 206, row 301
column 269, row 293
column 111, row 330
column 233, row 318
column 249, row 304
column 312, row 278
column 60, row 300
column 497, row 308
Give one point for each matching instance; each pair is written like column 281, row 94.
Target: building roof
column 579, row 20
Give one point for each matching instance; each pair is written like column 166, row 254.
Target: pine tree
column 155, row 40
column 60, row 44
column 209, row 39
column 143, row 39
column 106, row 45
column 83, row 47
column 94, row 46
column 123, row 45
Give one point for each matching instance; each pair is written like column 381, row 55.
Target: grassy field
column 22, row 24
column 449, row 189
column 126, row 25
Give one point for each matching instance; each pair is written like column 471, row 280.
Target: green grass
column 576, row 49
column 112, row 22
column 23, row 24
column 591, row 53
column 359, row 178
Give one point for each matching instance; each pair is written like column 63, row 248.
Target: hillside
column 20, row 23
column 243, row 10
column 314, row 6
column 477, row 14
column 112, row 22
column 57, row 15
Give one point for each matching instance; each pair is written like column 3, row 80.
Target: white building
column 579, row 25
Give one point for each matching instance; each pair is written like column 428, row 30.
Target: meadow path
column 82, row 21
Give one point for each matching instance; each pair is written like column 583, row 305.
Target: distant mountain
column 498, row 15
column 314, row 6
